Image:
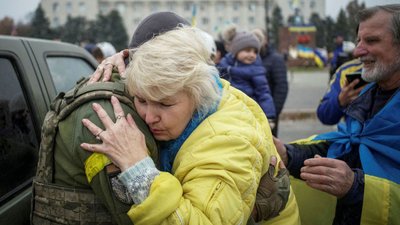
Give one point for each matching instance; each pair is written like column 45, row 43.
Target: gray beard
column 381, row 72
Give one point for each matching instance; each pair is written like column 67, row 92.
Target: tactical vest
column 55, row 204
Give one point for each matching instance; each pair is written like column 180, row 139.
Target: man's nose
column 359, row 50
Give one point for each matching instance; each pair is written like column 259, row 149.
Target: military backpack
column 55, row 204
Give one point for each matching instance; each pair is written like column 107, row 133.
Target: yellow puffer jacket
column 217, row 170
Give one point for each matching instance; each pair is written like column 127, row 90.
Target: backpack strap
column 44, row 171
column 64, row 105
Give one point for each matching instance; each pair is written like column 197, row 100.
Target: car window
column 18, row 143
column 65, row 71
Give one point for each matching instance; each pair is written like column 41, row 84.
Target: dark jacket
column 360, row 113
column 335, row 58
column 277, row 77
column 250, row 79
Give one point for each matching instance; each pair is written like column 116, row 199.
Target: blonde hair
column 173, row 62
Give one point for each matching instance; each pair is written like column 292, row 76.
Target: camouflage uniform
column 82, row 187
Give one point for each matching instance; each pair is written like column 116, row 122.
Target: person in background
column 336, row 52
column 221, row 51
column 359, row 164
column 98, row 54
column 276, row 74
column 103, row 50
column 89, row 46
column 242, row 67
column 207, row 148
column 340, row 94
column 346, row 54
column 209, row 43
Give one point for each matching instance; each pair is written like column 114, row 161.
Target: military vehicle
column 32, row 73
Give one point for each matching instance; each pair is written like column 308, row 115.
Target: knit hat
column 260, row 34
column 244, row 40
column 154, row 25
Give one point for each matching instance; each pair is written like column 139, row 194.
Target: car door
column 32, row 73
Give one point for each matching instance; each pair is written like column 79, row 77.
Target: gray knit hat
column 244, row 40
column 154, row 25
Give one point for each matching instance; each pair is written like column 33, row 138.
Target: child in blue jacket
column 243, row 68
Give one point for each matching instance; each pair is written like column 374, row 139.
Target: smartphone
column 356, row 75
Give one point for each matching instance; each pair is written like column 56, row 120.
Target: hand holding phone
column 356, row 75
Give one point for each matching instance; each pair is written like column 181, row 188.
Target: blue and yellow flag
column 377, row 138
column 194, row 13
column 319, row 59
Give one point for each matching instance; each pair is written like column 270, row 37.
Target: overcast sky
column 19, row 9
column 333, row 7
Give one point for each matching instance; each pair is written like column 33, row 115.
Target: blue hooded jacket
column 250, row 79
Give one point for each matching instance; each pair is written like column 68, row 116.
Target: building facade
column 209, row 15
column 301, row 9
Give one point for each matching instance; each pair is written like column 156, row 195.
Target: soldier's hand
column 280, row 147
column 272, row 193
column 104, row 70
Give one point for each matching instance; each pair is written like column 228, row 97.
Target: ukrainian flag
column 194, row 12
column 319, row 59
column 309, row 53
column 305, row 52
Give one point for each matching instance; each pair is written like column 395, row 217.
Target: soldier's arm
column 93, row 171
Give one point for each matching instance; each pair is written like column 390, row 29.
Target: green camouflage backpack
column 55, row 204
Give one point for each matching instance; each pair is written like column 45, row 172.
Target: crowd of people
column 197, row 143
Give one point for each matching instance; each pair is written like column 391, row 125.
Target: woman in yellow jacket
column 214, row 140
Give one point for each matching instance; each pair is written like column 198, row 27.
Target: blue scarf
column 378, row 139
column 169, row 149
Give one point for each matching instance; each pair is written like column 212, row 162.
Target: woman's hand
column 123, row 142
column 106, row 66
